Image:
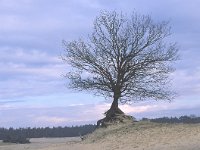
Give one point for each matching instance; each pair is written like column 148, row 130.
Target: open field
column 39, row 143
column 138, row 136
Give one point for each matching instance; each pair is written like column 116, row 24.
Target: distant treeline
column 22, row 135
column 182, row 119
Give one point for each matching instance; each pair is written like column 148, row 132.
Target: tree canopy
column 124, row 58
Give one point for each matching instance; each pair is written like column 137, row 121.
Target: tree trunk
column 114, row 104
column 113, row 115
column 114, row 109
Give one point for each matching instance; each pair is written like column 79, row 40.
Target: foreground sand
column 138, row 136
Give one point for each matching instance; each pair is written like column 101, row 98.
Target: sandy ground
column 40, row 143
column 138, row 136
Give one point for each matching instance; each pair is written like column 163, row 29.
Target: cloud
column 20, row 116
column 50, row 120
column 48, row 116
column 23, row 56
column 27, row 73
column 139, row 109
column 129, row 109
column 8, row 102
column 186, row 82
column 25, row 116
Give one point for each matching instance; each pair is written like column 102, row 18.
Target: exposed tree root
column 114, row 116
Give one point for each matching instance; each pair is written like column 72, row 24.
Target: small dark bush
column 21, row 139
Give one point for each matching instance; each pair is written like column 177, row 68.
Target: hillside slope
column 144, row 136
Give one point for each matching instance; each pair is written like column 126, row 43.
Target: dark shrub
column 21, row 139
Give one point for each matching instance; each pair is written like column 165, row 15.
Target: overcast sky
column 33, row 91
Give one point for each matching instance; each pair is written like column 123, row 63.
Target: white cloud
column 50, row 119
column 139, row 109
column 25, row 56
column 26, row 73
column 82, row 114
column 186, row 82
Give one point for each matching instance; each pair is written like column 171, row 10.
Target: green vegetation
column 182, row 119
column 14, row 138
column 22, row 135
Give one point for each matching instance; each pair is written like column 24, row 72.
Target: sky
column 33, row 91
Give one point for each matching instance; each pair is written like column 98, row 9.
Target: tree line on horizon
column 182, row 119
column 22, row 135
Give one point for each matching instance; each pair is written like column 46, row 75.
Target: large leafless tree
column 125, row 58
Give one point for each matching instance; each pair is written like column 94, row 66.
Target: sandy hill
column 143, row 136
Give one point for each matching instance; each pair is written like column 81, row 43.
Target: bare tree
column 125, row 58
